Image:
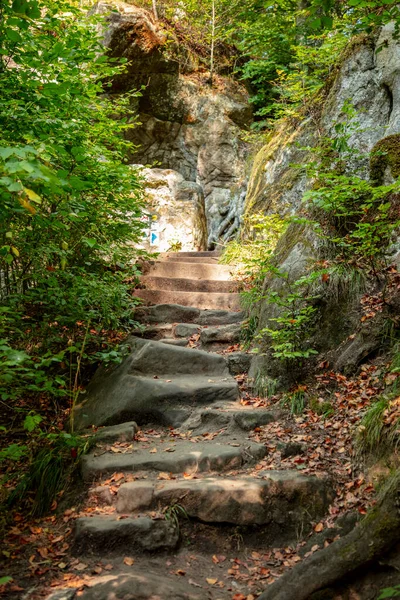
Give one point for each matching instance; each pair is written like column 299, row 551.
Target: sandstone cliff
column 186, row 126
column 369, row 80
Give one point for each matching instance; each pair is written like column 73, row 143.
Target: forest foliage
column 287, row 49
column 70, row 209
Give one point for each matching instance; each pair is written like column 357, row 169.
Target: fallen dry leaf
column 128, row 560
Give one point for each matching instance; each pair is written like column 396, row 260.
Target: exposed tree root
column 376, row 534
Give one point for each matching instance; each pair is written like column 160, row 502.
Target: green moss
column 261, row 195
column 358, row 41
column 295, row 233
column 386, row 153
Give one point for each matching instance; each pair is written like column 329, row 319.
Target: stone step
column 223, row 333
column 182, row 270
column 149, row 356
column 230, row 414
column 183, row 457
column 203, row 253
column 155, row 383
column 182, row 342
column 202, row 300
column 188, row 285
column 94, row 535
column 167, row 399
column 175, row 313
column 137, row 584
column 204, row 260
column 285, row 498
column 229, row 334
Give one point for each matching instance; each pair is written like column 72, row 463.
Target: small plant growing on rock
column 296, row 400
column 174, row 513
column 288, row 337
column 392, row 592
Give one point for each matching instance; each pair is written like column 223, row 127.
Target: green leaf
column 91, row 242
column 16, row 186
column 31, row 422
column 13, row 452
column 13, row 35
column 6, row 152
column 6, row 579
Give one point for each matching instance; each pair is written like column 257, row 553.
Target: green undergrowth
column 295, row 401
column 263, row 233
column 55, row 457
column 378, row 433
column 70, row 217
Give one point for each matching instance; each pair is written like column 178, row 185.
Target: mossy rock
column 385, row 154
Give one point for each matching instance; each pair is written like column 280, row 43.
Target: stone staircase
column 192, row 457
column 188, row 279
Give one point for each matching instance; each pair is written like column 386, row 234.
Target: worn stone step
column 155, row 383
column 143, row 584
column 201, row 253
column 202, row 300
column 244, row 418
column 182, row 342
column 286, row 498
column 94, row 535
column 185, row 457
column 180, row 270
column 176, row 313
column 150, row 356
column 166, row 400
column 188, row 285
column 190, row 259
column 223, row 333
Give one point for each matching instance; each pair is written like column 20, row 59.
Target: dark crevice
column 390, row 97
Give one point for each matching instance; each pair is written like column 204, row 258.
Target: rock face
column 178, row 206
column 185, row 125
column 369, row 80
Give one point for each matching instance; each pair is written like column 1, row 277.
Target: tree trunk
column 212, row 43
column 155, row 9
column 376, row 534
